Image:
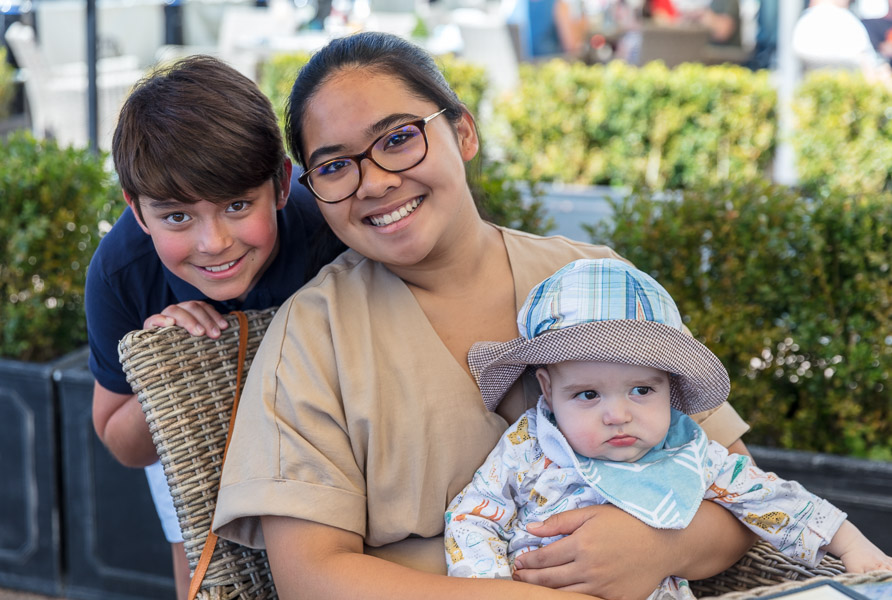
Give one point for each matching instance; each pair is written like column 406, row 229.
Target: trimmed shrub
column 7, row 84
column 277, row 75
column 793, row 295
column 843, row 137
column 623, row 125
column 54, row 200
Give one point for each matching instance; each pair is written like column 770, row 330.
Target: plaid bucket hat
column 608, row 311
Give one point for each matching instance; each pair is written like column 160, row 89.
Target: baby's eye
column 176, row 218
column 587, row 395
column 641, row 390
column 237, row 206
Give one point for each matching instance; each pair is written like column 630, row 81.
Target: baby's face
column 608, row 411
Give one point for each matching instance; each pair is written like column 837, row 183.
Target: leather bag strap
column 211, row 541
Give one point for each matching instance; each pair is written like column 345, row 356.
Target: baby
column 619, row 377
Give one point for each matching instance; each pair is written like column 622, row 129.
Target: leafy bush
column 623, row 125
column 793, row 295
column 53, row 201
column 7, row 84
column 277, row 75
column 843, row 137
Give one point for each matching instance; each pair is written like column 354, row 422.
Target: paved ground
column 17, row 595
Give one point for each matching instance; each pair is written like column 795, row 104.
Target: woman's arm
column 310, row 560
column 620, row 558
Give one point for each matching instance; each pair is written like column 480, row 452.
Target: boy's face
column 221, row 249
column 608, row 411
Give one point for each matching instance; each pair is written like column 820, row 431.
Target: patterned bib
column 664, row 488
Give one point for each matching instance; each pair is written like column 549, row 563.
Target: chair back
column 186, row 386
column 673, row 44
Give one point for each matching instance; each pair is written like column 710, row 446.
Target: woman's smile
column 396, row 215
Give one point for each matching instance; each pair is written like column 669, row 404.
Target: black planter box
column 30, row 542
column 862, row 488
column 113, row 541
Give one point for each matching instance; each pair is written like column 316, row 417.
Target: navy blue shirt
column 126, row 282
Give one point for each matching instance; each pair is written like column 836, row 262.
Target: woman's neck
column 457, row 263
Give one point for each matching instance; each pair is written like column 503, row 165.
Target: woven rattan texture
column 763, row 565
column 186, row 386
column 848, row 579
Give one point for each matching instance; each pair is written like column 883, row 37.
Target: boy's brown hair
column 196, row 130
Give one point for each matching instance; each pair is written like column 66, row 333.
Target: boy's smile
column 221, row 249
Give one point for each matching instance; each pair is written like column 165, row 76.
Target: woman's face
column 400, row 219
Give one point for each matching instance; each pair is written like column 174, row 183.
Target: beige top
column 355, row 414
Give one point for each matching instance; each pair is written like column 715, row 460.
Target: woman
column 360, row 418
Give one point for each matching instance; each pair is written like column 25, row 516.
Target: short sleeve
column 107, row 324
column 291, row 454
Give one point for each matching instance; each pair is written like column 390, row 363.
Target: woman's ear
column 468, row 142
column 544, row 378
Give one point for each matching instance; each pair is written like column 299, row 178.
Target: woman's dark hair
column 369, row 51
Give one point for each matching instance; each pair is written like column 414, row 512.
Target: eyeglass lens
column 397, row 150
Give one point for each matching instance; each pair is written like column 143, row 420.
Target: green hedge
column 53, row 202
column 623, row 125
column 279, row 72
column 793, row 295
column 7, row 84
column 843, row 134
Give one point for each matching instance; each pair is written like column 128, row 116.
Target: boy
column 209, row 228
column 618, row 378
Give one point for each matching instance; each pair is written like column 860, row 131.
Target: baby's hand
column 195, row 316
column 866, row 558
column 858, row 554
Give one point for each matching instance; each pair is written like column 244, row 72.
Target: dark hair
column 196, row 130
column 371, row 51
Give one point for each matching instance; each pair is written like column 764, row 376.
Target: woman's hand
column 611, row 554
column 195, row 316
column 607, row 553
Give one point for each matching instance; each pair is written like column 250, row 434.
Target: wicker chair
column 186, row 386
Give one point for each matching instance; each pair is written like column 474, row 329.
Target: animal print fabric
column 486, row 524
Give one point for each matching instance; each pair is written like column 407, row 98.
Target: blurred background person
column 720, row 17
column 828, row 34
column 549, row 27
column 880, row 32
column 767, row 24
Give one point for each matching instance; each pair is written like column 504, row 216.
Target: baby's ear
column 544, row 378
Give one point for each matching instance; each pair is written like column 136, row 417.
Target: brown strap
column 211, row 541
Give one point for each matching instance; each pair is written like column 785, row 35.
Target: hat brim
column 701, row 381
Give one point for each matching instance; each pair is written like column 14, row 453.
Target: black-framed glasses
column 399, row 149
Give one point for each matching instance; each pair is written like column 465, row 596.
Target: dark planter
column 113, row 541
column 862, row 488
column 30, row 542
